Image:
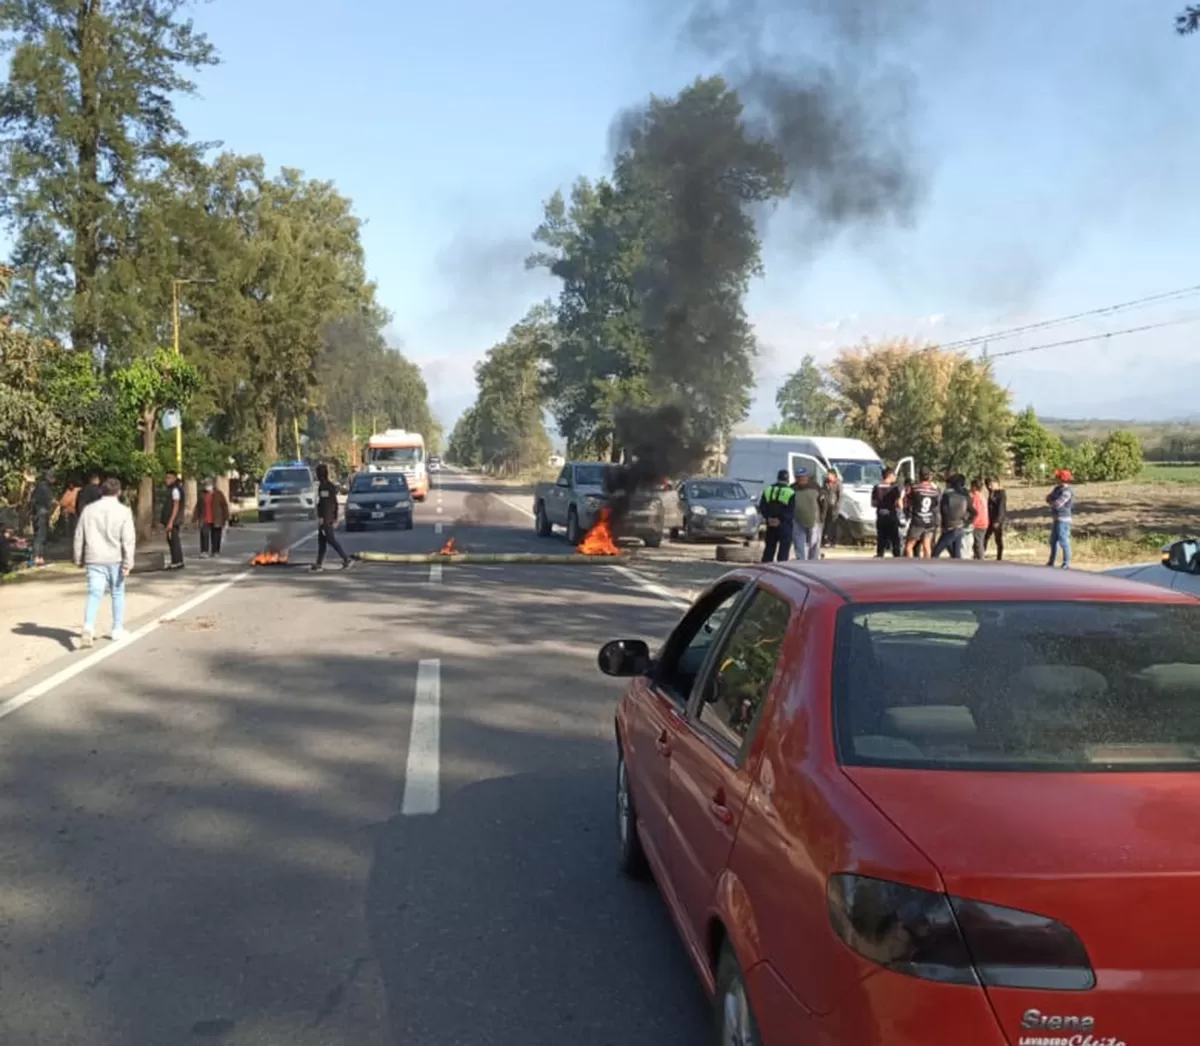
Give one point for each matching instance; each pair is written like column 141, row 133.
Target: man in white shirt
column 105, row 540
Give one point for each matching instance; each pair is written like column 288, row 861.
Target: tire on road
column 733, row 1016
column 653, row 540
column 631, row 858
column 266, row 517
column 735, row 554
column 541, row 523
column 574, row 532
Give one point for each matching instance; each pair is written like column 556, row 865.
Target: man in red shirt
column 211, row 515
column 979, row 502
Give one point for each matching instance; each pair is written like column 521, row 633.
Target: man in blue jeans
column 105, row 540
column 1061, row 501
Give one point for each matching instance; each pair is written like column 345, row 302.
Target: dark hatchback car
column 379, row 497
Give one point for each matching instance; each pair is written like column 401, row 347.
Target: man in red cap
column 1061, row 501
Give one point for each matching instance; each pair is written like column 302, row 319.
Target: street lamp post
column 175, row 285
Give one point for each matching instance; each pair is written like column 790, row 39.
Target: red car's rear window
column 1019, row 686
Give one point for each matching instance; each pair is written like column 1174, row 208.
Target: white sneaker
column 119, row 634
column 85, row 640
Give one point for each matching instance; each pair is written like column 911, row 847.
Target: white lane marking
column 655, row 589
column 652, row 587
column 437, row 527
column 439, row 510
column 435, row 572
column 421, row 785
column 41, row 689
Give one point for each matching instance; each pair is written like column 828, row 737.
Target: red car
column 918, row 803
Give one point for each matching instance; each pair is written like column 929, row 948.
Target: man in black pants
column 172, row 520
column 327, row 514
column 777, row 506
column 997, row 510
column 885, row 499
column 957, row 515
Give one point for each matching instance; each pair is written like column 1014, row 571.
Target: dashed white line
column 422, row 788
column 435, row 572
column 437, row 527
column 41, row 689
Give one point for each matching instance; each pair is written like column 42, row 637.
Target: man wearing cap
column 808, row 513
column 778, row 506
column 1061, row 501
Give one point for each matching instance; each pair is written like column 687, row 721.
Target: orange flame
column 447, row 549
column 269, row 558
column 599, row 540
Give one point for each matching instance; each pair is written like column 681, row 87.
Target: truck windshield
column 292, row 477
column 859, row 473
column 589, row 475
column 394, row 455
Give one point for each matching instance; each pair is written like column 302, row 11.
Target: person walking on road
column 105, row 542
column 43, row 509
column 832, row 508
column 808, row 514
column 885, row 499
column 997, row 510
column 957, row 515
column 172, row 520
column 922, row 513
column 778, row 506
column 1062, row 503
column 211, row 515
column 979, row 528
column 327, row 514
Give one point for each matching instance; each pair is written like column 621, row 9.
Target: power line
column 1012, row 332
column 1096, row 337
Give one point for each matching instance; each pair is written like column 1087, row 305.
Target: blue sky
column 1061, row 157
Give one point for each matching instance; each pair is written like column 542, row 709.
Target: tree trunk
column 90, row 200
column 145, row 501
column 270, row 434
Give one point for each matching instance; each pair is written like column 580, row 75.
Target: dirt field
column 1130, row 512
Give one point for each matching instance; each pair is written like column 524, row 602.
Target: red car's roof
column 916, row 580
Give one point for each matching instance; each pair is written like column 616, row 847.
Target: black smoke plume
column 659, row 443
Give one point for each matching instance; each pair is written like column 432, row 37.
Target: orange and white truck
column 397, row 450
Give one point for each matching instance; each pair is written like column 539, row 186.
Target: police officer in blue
column 778, row 507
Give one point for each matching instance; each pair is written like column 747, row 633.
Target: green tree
column 1035, row 449
column 464, row 448
column 148, row 387
column 87, row 118
column 804, row 404
column 1119, row 456
column 976, row 420
column 511, row 435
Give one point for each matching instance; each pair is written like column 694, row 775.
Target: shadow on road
column 64, row 637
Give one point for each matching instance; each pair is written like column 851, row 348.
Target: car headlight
column 593, row 501
column 699, row 510
column 751, row 510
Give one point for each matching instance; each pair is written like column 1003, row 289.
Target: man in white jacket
column 105, row 539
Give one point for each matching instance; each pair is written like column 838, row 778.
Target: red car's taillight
column 954, row 940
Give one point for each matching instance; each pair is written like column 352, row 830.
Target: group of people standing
column 799, row 513
column 802, row 514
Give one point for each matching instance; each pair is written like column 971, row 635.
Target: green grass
column 1170, row 472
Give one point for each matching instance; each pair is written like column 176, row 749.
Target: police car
column 288, row 489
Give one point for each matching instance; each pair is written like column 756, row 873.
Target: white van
column 754, row 462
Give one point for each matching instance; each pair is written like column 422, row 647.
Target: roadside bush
column 1119, row 456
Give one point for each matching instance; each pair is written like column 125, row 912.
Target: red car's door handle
column 663, row 744
column 719, row 810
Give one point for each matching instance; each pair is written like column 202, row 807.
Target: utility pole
column 175, row 285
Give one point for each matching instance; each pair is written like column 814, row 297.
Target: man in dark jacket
column 88, row 493
column 327, row 514
column 997, row 511
column 809, row 513
column 832, row 508
column 885, row 499
column 43, row 509
column 777, row 506
column 957, row 515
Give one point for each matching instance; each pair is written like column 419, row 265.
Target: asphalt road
column 364, row 807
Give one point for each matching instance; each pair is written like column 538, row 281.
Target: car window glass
column 689, row 646
column 1020, row 686
column 741, row 679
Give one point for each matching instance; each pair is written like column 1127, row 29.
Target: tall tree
column 87, row 119
column 804, row 404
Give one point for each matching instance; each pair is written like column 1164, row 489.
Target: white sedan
column 1179, row 568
